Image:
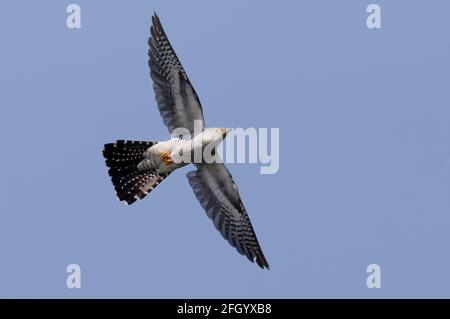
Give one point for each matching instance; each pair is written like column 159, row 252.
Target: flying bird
column 137, row 167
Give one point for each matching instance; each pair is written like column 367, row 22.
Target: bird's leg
column 165, row 156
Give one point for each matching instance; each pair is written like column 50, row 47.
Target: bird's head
column 214, row 134
column 224, row 131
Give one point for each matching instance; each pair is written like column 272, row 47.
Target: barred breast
column 168, row 155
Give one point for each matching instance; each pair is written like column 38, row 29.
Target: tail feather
column 122, row 159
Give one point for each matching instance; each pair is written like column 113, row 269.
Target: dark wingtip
column 265, row 265
column 262, row 261
column 154, row 17
column 155, row 20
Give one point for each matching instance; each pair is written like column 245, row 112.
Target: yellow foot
column 165, row 156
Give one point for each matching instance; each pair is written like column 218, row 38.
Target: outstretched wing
column 215, row 189
column 177, row 100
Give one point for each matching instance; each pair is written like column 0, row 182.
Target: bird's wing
column 177, row 100
column 218, row 194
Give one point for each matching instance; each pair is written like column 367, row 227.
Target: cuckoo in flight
column 137, row 167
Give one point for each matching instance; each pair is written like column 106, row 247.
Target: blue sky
column 364, row 148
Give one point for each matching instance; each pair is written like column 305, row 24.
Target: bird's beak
column 225, row 131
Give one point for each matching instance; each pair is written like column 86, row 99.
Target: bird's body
column 137, row 167
column 164, row 157
column 160, row 155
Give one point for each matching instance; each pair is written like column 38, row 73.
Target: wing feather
column 177, row 100
column 218, row 194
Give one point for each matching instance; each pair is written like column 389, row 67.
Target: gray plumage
column 136, row 168
column 177, row 100
column 218, row 194
column 213, row 185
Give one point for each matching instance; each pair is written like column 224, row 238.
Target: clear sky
column 364, row 148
